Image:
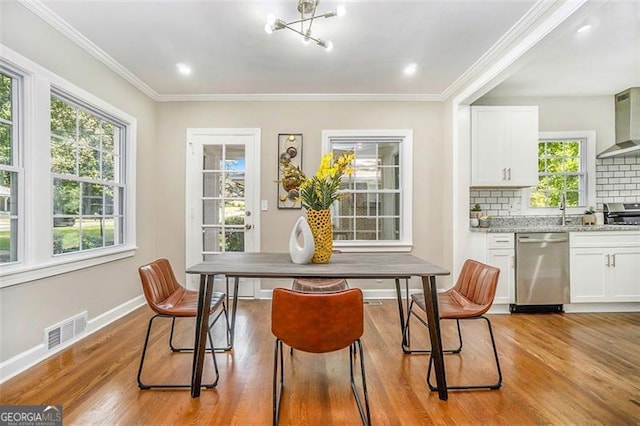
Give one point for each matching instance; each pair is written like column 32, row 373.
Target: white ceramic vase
column 301, row 253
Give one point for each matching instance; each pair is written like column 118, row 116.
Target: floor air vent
column 65, row 331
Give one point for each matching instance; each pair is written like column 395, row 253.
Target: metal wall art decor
column 289, row 166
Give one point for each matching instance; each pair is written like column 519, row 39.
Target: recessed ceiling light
column 584, row 29
column 183, row 69
column 410, row 69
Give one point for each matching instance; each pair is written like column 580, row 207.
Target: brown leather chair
column 470, row 298
column 168, row 299
column 318, row 323
column 313, row 285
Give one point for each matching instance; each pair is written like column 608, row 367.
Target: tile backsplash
column 617, row 180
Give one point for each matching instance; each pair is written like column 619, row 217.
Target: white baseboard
column 602, row 307
column 31, row 357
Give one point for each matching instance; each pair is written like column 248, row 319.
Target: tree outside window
column 561, row 171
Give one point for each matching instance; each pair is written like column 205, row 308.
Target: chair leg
column 406, row 335
column 145, row 386
column 278, row 361
column 365, row 413
column 223, row 311
column 496, row 385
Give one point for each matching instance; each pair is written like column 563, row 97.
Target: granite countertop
column 513, row 224
column 557, row 228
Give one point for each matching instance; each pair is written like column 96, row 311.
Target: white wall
column 27, row 309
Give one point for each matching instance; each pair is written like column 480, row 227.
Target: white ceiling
column 230, row 53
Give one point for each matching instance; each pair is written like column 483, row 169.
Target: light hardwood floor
column 558, row 369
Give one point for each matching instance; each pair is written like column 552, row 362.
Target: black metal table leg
column 400, row 307
column 236, row 284
column 202, row 327
column 431, row 299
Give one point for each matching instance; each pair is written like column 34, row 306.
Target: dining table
column 396, row 266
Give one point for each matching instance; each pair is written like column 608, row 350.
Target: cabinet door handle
column 502, row 241
column 608, row 260
column 509, row 171
column 613, row 262
column 504, row 174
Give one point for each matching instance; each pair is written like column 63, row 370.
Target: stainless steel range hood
column 627, row 119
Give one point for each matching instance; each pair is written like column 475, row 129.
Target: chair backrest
column 317, row 322
column 158, row 282
column 477, row 282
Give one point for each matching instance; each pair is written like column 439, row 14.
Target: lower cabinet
column 605, row 267
column 497, row 249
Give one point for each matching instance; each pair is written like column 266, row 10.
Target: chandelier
column 307, row 9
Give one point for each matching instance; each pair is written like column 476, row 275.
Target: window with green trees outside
column 561, row 170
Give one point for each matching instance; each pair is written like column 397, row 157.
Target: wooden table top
column 341, row 265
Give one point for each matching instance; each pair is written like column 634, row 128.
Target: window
column 67, row 175
column 9, row 167
column 564, row 162
column 86, row 170
column 375, row 208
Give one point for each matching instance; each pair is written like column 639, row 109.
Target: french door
column 222, row 196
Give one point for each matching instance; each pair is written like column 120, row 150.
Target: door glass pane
column 234, row 240
column 211, row 212
column 211, row 184
column 212, row 157
column 235, row 158
column 212, row 239
column 234, row 185
column 234, row 212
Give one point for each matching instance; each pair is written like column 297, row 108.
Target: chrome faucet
column 563, row 209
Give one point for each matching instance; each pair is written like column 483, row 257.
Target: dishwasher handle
column 540, row 240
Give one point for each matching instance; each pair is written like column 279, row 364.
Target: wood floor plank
column 557, row 368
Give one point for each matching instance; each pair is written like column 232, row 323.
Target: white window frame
column 17, row 151
column 405, row 136
column 36, row 188
column 589, row 163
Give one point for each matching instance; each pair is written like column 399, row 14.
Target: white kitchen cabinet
column 504, row 146
column 497, row 249
column 605, row 267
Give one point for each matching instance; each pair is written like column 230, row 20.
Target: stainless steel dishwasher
column 542, row 271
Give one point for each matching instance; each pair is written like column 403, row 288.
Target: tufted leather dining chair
column 318, row 323
column 169, row 299
column 469, row 299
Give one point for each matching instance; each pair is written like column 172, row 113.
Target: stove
column 622, row 213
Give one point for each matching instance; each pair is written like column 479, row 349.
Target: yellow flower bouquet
column 321, row 190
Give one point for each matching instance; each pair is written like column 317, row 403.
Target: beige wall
column 431, row 173
column 570, row 113
column 27, row 309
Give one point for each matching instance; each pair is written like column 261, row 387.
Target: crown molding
column 534, row 24
column 47, row 15
column 303, row 97
column 541, row 23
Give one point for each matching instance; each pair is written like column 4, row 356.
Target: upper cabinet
column 504, row 146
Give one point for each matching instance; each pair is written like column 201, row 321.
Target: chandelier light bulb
column 341, row 11
column 302, row 26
